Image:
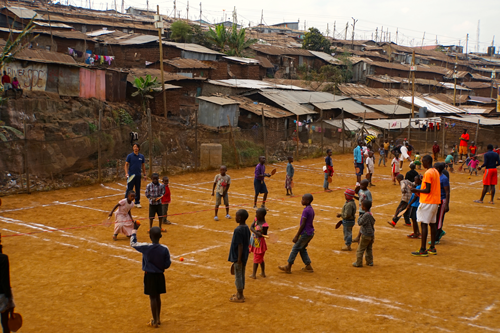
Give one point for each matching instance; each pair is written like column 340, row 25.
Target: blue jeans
column 136, row 182
column 300, row 247
column 348, row 225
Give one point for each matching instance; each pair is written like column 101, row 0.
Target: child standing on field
column 258, row 244
column 435, row 150
column 154, row 192
column 367, row 230
column 363, row 194
column 238, row 254
column 370, row 167
column 124, row 223
column 290, row 171
column 222, row 181
column 414, row 203
column 395, row 167
column 418, row 161
column 454, row 152
column 381, row 151
column 165, row 200
column 348, row 216
column 474, row 162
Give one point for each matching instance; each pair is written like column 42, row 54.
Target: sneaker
column 216, row 218
column 370, row 264
column 435, row 243
column 408, row 224
column 432, row 250
column 138, row 206
column 420, row 253
column 228, row 216
column 392, row 224
column 414, row 236
column 355, row 264
column 442, row 234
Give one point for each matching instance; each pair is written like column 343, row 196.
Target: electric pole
column 376, row 34
column 477, row 42
column 423, row 41
column 262, row 17
column 353, row 27
column 455, row 74
column 175, row 10
column 346, row 28
column 327, row 30
column 412, row 85
column 200, row 13
column 187, row 11
column 467, row 47
column 334, row 28
column 397, row 35
column 159, row 24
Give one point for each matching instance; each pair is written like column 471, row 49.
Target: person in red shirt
column 435, row 150
column 464, row 139
column 497, row 150
column 6, row 81
column 165, row 201
column 473, row 148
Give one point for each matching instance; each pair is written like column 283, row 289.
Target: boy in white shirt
column 395, row 167
column 370, row 167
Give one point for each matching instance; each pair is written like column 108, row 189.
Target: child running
column 155, row 260
column 124, row 223
column 348, row 216
column 406, row 186
column 370, row 167
column 165, row 200
column 258, row 184
column 413, row 206
column 290, row 171
column 367, row 230
column 222, row 181
column 154, row 192
column 328, row 169
column 258, row 244
column 304, row 235
column 395, row 167
column 238, row 254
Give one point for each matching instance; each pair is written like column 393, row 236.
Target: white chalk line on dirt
column 487, row 309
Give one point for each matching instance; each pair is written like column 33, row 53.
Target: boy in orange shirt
column 430, row 198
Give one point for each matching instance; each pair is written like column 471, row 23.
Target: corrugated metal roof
column 218, row 100
column 383, row 79
column 276, row 50
column 481, row 100
column 44, row 56
column 432, row 105
column 476, row 110
column 483, row 121
column 477, row 85
column 391, row 109
column 167, row 87
column 287, row 104
column 309, row 97
column 252, row 84
column 192, row 48
column 143, row 39
column 63, row 34
column 349, row 124
column 326, row 57
column 103, row 21
column 142, row 72
column 52, row 25
column 256, row 108
column 100, row 32
column 243, row 60
column 395, row 124
column 21, row 12
column 372, row 101
column 187, row 63
column 264, row 62
column 449, row 85
column 351, row 107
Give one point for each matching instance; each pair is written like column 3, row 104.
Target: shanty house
column 218, row 111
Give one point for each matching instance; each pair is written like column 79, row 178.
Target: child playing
column 348, row 216
column 363, row 194
column 435, row 150
column 367, row 230
column 222, row 181
column 304, row 235
column 473, row 148
column 328, row 169
column 406, row 186
column 391, row 146
column 410, row 175
column 449, row 162
column 155, row 260
column 124, row 222
column 238, row 254
column 290, row 171
column 370, row 167
column 454, row 152
column 381, row 151
column 258, row 244
column 165, row 200
column 386, row 147
column 474, row 162
column 418, row 161
column 259, row 184
column 414, row 203
column 154, row 192
column 395, row 167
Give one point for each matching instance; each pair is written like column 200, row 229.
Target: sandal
column 235, row 299
column 152, row 324
column 478, row 201
column 414, row 236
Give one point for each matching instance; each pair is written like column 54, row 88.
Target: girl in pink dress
column 258, row 244
column 124, row 222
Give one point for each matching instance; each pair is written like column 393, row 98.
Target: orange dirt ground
column 80, row 280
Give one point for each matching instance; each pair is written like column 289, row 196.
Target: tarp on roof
column 21, row 12
column 252, row 84
column 243, row 60
column 287, row 104
column 100, row 32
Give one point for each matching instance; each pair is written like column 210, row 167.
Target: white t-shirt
column 369, row 164
column 404, row 153
column 395, row 165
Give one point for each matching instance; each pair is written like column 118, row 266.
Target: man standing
column 359, row 161
column 464, row 139
column 6, row 81
column 133, row 166
column 490, row 178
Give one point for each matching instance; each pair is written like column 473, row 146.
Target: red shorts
column 258, row 258
column 490, row 177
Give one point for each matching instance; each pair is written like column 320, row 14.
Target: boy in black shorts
column 238, row 254
column 155, row 260
column 154, row 192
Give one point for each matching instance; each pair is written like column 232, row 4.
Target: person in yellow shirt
column 430, row 199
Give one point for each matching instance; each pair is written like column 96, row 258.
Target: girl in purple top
column 302, row 238
column 258, row 183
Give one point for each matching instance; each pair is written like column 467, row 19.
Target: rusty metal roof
column 264, row 62
column 168, row 77
column 192, row 48
column 138, row 40
column 63, row 34
column 44, row 56
column 187, row 63
column 22, row 12
column 257, row 107
column 326, row 57
column 52, row 25
column 218, row 100
column 276, row 50
column 477, row 85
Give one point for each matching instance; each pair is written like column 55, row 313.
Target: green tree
column 327, row 79
column 346, row 68
column 13, row 47
column 200, row 37
column 315, row 41
column 237, row 41
column 219, row 37
column 145, row 86
column 181, row 31
column 6, row 131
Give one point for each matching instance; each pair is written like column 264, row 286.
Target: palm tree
column 13, row 47
column 145, row 86
column 218, row 36
column 4, row 132
column 237, row 42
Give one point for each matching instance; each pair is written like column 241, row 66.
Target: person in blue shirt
column 490, row 177
column 134, row 164
column 155, row 260
column 328, row 169
column 444, row 207
column 359, row 161
column 413, row 207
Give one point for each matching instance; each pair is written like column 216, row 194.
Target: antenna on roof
column 477, row 45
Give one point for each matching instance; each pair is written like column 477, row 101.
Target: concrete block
column 210, row 155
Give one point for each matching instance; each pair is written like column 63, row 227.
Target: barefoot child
column 303, row 237
column 124, row 223
column 406, row 186
column 370, row 167
column 165, row 200
column 222, row 181
column 258, row 184
column 348, row 216
column 238, row 254
column 414, row 203
column 258, row 244
column 395, row 167
column 154, row 192
column 449, row 162
column 155, row 260
column 367, row 230
column 290, row 171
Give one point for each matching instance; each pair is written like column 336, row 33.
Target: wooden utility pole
column 236, row 156
column 346, row 28
column 353, row 27
column 160, row 28
column 342, row 133
column 99, row 157
column 297, row 137
column 477, row 131
column 443, row 128
column 321, row 127
column 409, row 129
column 150, row 140
column 467, row 48
column 26, row 164
column 455, row 73
column 426, row 133
column 196, row 151
column 413, row 84
column 264, row 132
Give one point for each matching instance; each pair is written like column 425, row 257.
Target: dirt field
column 80, row 280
